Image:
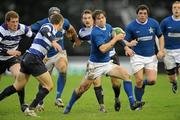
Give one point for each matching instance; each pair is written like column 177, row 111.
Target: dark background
column 119, row 13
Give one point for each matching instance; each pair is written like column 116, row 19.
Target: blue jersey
column 100, row 36
column 145, row 35
column 60, row 34
column 10, row 39
column 85, row 35
column 171, row 31
column 41, row 44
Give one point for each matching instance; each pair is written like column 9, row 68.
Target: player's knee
column 82, row 89
column 139, row 83
column 97, row 83
column 49, row 86
column 171, row 71
column 115, row 82
column 15, row 75
column 125, row 76
column 63, row 68
column 151, row 82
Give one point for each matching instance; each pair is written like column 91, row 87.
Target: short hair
column 56, row 18
column 176, row 2
column 143, row 7
column 10, row 14
column 96, row 13
column 86, row 11
column 54, row 10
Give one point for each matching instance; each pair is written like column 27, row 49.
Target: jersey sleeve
column 36, row 26
column 158, row 31
column 66, row 24
column 129, row 34
column 47, row 32
column 163, row 26
column 28, row 31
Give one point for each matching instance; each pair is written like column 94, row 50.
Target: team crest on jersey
column 151, row 30
column 109, row 34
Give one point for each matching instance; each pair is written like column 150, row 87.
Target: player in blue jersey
column 144, row 60
column 99, row 63
column 32, row 63
column 84, row 35
column 58, row 59
column 170, row 27
column 11, row 33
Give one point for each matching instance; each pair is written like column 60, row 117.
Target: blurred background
column 119, row 13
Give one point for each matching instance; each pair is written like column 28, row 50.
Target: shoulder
column 47, row 25
column 152, row 20
column 45, row 20
column 169, row 18
column 132, row 24
column 66, row 20
column 108, row 25
column 95, row 30
column 82, row 30
column 66, row 24
column 3, row 27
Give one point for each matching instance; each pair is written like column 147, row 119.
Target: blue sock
column 146, row 82
column 60, row 84
column 138, row 93
column 129, row 91
column 73, row 99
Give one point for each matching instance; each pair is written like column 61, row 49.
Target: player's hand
column 76, row 43
column 45, row 59
column 133, row 43
column 56, row 46
column 15, row 53
column 119, row 37
column 129, row 52
column 160, row 54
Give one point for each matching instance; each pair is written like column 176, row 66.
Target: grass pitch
column 161, row 103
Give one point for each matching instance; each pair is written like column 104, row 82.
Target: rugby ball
column 118, row 30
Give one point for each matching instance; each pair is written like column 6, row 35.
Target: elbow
column 103, row 50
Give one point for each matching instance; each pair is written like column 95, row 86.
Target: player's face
column 100, row 20
column 87, row 20
column 13, row 24
column 142, row 16
column 176, row 10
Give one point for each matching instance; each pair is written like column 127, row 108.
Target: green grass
column 161, row 103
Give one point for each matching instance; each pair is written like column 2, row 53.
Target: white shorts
column 138, row 62
column 171, row 58
column 51, row 60
column 95, row 70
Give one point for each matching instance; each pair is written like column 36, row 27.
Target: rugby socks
column 129, row 91
column 174, row 82
column 60, row 84
column 21, row 95
column 73, row 99
column 39, row 97
column 145, row 82
column 39, row 88
column 116, row 90
column 99, row 94
column 138, row 93
column 7, row 92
